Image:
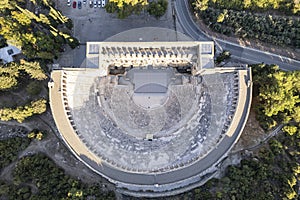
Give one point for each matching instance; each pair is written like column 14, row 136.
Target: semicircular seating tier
column 192, row 121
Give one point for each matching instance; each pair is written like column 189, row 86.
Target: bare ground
column 251, row 136
column 252, row 133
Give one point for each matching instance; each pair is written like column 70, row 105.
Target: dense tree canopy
column 31, row 31
column 10, row 148
column 270, row 175
column 123, row 3
column 38, row 177
column 20, row 113
column 281, row 31
column 124, row 8
column 158, row 8
column 284, row 6
column 243, row 19
column 278, row 94
column 10, row 73
column 50, row 180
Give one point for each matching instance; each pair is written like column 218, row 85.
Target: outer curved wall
column 187, row 178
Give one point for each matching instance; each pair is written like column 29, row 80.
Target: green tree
column 291, row 130
column 10, row 73
column 10, row 148
column 276, row 146
column 7, row 82
column 158, row 8
column 200, row 4
column 4, row 4
column 288, row 7
column 22, row 18
column 251, row 25
column 224, row 55
column 278, row 94
column 22, row 112
column 124, row 8
column 222, row 16
column 34, row 170
column 56, row 15
column 33, row 69
column 36, row 134
column 30, row 32
column 123, row 3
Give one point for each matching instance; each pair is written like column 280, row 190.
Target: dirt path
column 12, row 129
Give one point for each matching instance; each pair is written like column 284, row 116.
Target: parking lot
column 94, row 24
column 91, row 3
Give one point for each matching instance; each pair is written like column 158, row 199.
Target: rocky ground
column 253, row 134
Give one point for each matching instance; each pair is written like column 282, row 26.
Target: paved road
column 244, row 54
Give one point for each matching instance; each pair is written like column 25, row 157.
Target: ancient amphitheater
column 155, row 118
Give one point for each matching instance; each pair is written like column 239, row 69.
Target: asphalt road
column 244, row 54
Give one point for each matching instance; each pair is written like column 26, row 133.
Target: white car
column 95, row 4
column 103, row 3
column 69, row 2
column 99, row 4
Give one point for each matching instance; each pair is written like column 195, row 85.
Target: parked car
column 69, row 2
column 84, row 2
column 79, row 4
column 91, row 3
column 99, row 4
column 103, row 3
column 95, row 4
column 74, row 4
